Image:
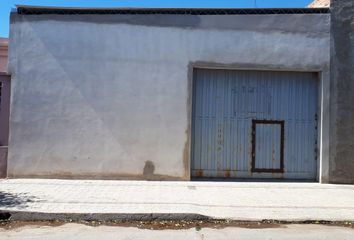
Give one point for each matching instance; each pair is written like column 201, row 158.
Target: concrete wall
column 342, row 88
column 109, row 96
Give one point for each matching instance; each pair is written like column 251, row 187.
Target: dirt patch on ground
column 8, row 224
column 174, row 225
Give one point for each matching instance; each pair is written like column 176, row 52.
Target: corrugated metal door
column 251, row 124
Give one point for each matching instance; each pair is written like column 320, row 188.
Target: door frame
column 254, row 132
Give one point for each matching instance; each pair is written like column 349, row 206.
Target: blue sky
column 6, row 5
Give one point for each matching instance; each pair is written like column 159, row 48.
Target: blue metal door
column 254, row 124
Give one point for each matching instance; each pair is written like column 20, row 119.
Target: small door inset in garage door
column 254, row 124
column 267, row 146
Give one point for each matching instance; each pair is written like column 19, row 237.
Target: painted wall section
column 4, row 106
column 4, row 122
column 342, row 88
column 3, row 54
column 109, row 96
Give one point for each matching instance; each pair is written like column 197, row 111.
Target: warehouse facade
column 170, row 94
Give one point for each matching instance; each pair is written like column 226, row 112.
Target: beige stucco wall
column 320, row 3
column 3, row 54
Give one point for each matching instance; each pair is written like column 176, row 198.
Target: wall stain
column 149, row 168
column 96, row 176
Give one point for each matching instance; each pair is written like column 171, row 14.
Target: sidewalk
column 50, row 199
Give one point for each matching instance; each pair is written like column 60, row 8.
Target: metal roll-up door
column 254, row 124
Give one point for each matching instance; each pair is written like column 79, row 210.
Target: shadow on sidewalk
column 14, row 200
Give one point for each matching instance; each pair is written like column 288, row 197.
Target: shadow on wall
column 9, row 200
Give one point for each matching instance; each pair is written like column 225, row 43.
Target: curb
column 41, row 216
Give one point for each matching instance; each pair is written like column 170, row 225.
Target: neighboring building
column 4, row 42
column 170, row 94
column 320, row 4
column 342, row 92
column 4, row 105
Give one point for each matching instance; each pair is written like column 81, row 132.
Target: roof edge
column 38, row 10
